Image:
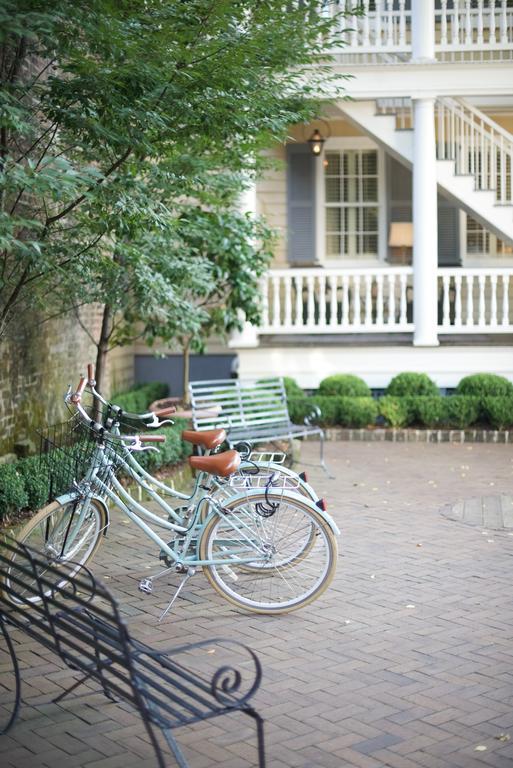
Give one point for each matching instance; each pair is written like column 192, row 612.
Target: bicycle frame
column 113, row 489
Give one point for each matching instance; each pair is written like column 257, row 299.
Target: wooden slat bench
column 69, row 612
column 249, row 410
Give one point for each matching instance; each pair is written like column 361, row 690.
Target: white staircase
column 474, row 154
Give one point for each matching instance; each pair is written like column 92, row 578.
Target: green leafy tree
column 99, row 97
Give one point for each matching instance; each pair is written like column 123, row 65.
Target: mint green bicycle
column 264, row 548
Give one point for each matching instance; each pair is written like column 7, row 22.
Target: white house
column 396, row 249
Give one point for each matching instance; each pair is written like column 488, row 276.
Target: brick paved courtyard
column 406, row 661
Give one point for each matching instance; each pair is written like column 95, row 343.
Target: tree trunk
column 101, row 354
column 186, row 371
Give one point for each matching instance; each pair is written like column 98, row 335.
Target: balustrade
column 337, row 300
column 368, row 300
column 463, row 29
column 475, row 300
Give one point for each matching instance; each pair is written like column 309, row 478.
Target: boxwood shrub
column 461, row 411
column 292, row 388
column 344, row 385
column 13, row 494
column 498, row 411
column 138, row 399
column 410, row 384
column 485, row 385
column 397, row 411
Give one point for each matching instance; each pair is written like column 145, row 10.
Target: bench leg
column 175, row 749
column 17, row 678
column 321, row 461
column 260, row 735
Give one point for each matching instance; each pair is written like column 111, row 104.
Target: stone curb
column 420, row 435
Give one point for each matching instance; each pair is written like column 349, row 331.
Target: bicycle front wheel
column 67, row 532
column 294, row 551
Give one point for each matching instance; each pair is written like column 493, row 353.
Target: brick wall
column 38, row 361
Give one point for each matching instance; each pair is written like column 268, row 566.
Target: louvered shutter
column 399, row 191
column 448, row 233
column 301, row 204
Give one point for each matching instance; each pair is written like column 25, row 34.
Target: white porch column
column 425, row 213
column 248, row 337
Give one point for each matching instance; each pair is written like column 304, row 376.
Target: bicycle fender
column 277, row 494
column 65, row 498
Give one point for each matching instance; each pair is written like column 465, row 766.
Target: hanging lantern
column 316, row 142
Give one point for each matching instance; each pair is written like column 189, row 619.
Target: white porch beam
column 426, row 79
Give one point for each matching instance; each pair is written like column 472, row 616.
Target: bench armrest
column 228, row 670
column 312, row 417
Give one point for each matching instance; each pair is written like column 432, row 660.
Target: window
column 352, row 205
column 481, row 242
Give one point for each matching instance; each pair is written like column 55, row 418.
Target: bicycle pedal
column 146, row 586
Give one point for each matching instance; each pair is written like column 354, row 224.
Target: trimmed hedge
column 138, row 399
column 397, row 411
column 485, row 385
column 292, row 388
column 455, row 411
column 498, row 411
column 412, row 384
column 344, row 385
column 344, row 411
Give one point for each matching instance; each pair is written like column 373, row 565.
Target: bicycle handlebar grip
column 90, row 372
column 152, row 438
column 165, row 411
column 76, row 396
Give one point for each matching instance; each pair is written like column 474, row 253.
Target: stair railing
column 477, row 145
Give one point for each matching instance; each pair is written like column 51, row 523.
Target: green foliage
column 429, row 410
column 498, row 410
column 342, row 411
column 461, row 411
column 485, row 384
column 35, row 479
column 409, row 384
column 292, row 388
column 345, row 385
column 171, row 452
column 357, row 411
column 398, row 411
column 13, row 495
column 138, row 399
column 113, row 112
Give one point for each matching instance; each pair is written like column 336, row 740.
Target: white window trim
column 482, row 260
column 350, row 142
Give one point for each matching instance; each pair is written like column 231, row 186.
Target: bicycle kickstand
column 188, row 575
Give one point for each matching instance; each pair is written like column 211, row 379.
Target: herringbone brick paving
column 405, row 662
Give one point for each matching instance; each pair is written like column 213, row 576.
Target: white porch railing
column 336, row 300
column 464, row 30
column 475, row 300
column 380, row 300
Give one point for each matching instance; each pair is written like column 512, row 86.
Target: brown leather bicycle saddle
column 208, row 439
column 222, row 464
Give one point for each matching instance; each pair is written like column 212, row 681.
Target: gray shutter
column 400, row 208
column 399, row 192
column 300, row 204
column 448, row 233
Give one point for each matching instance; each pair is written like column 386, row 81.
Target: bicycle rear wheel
column 295, row 552
column 67, row 532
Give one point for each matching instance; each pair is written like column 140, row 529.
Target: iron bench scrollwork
column 68, row 611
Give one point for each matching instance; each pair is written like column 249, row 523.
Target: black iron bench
column 253, row 411
column 72, row 614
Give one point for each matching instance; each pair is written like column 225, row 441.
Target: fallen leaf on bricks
column 503, row 737
column 480, row 748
